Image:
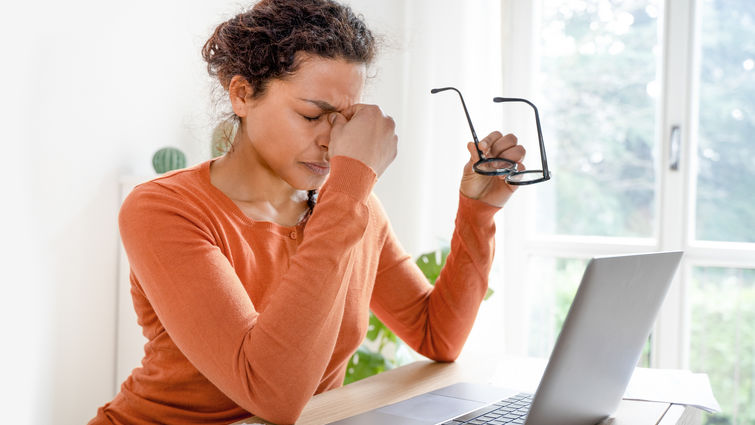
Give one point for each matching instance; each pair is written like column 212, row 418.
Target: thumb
column 336, row 120
column 474, row 155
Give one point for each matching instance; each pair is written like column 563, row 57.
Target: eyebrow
column 325, row 106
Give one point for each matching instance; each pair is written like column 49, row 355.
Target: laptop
column 589, row 369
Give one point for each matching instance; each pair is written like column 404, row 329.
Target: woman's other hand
column 492, row 190
column 365, row 133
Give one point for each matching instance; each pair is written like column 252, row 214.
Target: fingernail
column 331, row 118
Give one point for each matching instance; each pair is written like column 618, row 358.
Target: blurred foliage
column 726, row 151
column 600, row 94
column 383, row 350
column 597, row 66
column 722, row 303
column 557, row 281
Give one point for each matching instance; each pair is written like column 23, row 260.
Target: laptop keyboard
column 512, row 410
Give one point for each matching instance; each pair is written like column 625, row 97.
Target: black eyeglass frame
column 511, row 171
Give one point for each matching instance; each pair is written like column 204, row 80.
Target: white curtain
column 433, row 44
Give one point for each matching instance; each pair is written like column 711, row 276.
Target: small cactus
column 167, row 159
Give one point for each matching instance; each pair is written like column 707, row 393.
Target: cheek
column 299, row 134
column 282, row 142
column 282, row 135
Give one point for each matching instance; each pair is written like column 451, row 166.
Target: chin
column 318, row 185
column 309, row 183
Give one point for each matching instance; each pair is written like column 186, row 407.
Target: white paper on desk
column 664, row 385
column 674, row 386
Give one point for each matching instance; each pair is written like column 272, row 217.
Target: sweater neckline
column 228, row 205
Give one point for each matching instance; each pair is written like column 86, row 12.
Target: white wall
column 90, row 89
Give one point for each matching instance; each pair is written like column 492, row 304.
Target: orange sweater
column 254, row 317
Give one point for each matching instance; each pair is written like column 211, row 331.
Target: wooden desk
column 423, row 376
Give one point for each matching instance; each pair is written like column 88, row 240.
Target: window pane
column 722, row 341
column 726, row 149
column 553, row 282
column 552, row 285
column 598, row 87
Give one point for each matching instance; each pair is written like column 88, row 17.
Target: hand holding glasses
column 503, row 166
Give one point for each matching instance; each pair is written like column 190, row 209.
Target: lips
column 318, row 168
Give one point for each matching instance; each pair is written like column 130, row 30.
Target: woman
column 253, row 298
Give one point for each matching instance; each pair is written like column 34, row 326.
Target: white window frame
column 679, row 25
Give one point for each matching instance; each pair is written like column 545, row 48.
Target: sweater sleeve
column 435, row 321
column 270, row 362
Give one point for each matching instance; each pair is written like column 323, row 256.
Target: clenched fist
column 365, row 133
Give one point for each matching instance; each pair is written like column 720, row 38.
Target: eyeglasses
column 503, row 166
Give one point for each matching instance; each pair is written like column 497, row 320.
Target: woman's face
column 288, row 126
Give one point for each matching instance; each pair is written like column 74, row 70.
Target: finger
column 336, row 118
column 474, row 155
column 352, row 110
column 503, row 143
column 336, row 121
column 515, row 153
column 491, row 139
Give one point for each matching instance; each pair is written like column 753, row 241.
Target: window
column 722, row 340
column 648, row 110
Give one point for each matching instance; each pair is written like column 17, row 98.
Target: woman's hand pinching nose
column 365, row 133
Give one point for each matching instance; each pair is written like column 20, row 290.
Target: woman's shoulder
column 170, row 207
column 177, row 189
column 184, row 179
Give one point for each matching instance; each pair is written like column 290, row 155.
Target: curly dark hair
column 261, row 43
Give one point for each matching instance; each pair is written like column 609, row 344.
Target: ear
column 240, row 94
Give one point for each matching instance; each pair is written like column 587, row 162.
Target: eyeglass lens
column 527, row 177
column 495, row 166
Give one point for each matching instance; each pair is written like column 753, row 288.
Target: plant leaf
column 431, row 263
column 489, row 294
column 365, row 363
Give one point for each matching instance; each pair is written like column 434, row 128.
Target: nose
column 322, row 138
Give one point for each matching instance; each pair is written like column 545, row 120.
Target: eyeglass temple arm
column 466, row 112
column 543, row 160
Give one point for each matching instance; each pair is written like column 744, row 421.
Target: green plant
column 167, row 159
column 382, row 349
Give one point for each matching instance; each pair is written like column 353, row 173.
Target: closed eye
column 311, row 118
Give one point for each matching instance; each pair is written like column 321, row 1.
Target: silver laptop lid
column 602, row 338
